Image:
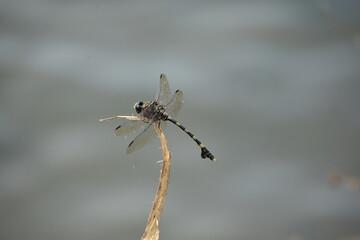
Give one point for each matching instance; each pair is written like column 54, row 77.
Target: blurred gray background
column 272, row 88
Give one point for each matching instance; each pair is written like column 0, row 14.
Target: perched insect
column 163, row 109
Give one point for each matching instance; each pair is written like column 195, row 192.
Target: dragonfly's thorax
column 151, row 110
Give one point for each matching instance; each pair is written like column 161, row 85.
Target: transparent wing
column 130, row 126
column 148, row 134
column 175, row 104
column 163, row 93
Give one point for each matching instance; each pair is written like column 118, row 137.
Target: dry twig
column 152, row 226
column 126, row 117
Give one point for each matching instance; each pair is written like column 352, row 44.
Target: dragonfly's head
column 139, row 107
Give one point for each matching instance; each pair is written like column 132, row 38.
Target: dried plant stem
column 127, row 117
column 152, row 227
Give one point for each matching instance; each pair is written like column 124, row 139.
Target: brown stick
column 152, row 227
column 127, row 117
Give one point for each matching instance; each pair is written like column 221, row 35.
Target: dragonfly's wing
column 175, row 104
column 130, row 126
column 163, row 93
column 148, row 134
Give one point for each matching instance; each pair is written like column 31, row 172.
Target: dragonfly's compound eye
column 138, row 107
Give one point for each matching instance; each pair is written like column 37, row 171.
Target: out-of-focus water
column 271, row 87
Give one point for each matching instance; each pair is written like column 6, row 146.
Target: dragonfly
column 162, row 110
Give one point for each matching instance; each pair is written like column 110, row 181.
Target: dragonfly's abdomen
column 205, row 153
